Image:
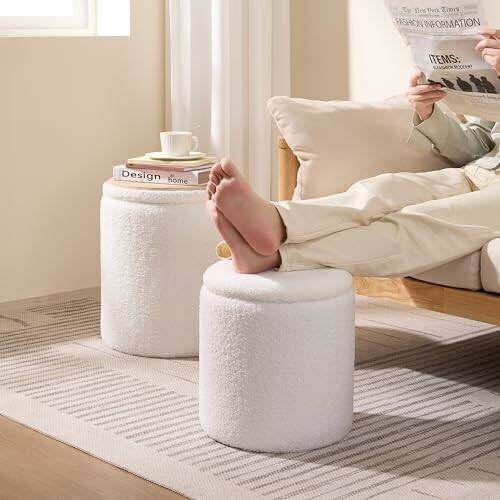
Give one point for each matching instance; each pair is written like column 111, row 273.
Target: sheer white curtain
column 227, row 58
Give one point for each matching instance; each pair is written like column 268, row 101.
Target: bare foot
column 245, row 259
column 256, row 219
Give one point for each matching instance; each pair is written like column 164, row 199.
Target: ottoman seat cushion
column 274, row 286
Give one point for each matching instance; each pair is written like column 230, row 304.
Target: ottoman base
column 276, row 376
column 155, row 246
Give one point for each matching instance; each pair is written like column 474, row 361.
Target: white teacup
column 178, row 143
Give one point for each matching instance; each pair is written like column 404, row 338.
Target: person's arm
column 459, row 143
column 435, row 131
column 477, row 141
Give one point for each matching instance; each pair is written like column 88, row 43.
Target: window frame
column 83, row 23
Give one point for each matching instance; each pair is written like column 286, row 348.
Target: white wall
column 71, row 108
column 319, row 48
column 380, row 63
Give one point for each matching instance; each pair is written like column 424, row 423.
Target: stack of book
column 184, row 173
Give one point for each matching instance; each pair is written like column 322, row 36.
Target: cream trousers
column 393, row 225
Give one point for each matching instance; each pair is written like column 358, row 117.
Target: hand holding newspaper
column 442, row 36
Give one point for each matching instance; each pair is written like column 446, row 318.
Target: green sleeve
column 459, row 143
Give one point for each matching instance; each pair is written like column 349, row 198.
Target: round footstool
column 155, row 246
column 276, row 358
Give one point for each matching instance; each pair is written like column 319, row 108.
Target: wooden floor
column 35, row 467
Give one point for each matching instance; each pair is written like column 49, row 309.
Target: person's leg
column 266, row 225
column 412, row 240
column 367, row 201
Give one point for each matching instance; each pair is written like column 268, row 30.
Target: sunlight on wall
column 380, row 63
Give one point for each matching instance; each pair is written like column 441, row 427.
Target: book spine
column 122, row 173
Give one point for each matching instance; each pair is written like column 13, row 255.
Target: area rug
column 426, row 424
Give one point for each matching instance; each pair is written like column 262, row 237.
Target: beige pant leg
column 410, row 241
column 366, row 201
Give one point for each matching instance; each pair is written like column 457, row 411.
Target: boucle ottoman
column 155, row 246
column 276, row 358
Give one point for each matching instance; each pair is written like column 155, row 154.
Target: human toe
column 229, row 168
column 214, row 178
column 211, row 187
column 217, row 171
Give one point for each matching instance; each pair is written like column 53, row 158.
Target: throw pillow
column 340, row 142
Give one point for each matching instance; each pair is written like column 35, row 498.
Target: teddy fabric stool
column 155, row 246
column 276, row 358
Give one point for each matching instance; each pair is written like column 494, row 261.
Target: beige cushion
column 461, row 273
column 490, row 266
column 339, row 143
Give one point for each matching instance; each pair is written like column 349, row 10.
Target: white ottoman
column 276, row 358
column 155, row 246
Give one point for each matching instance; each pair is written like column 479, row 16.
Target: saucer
column 193, row 155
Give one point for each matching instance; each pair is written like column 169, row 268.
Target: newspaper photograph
column 442, row 36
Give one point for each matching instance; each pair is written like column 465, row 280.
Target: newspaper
column 442, row 36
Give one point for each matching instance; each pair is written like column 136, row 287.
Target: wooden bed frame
column 480, row 306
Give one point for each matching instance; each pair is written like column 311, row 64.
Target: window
column 64, row 17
